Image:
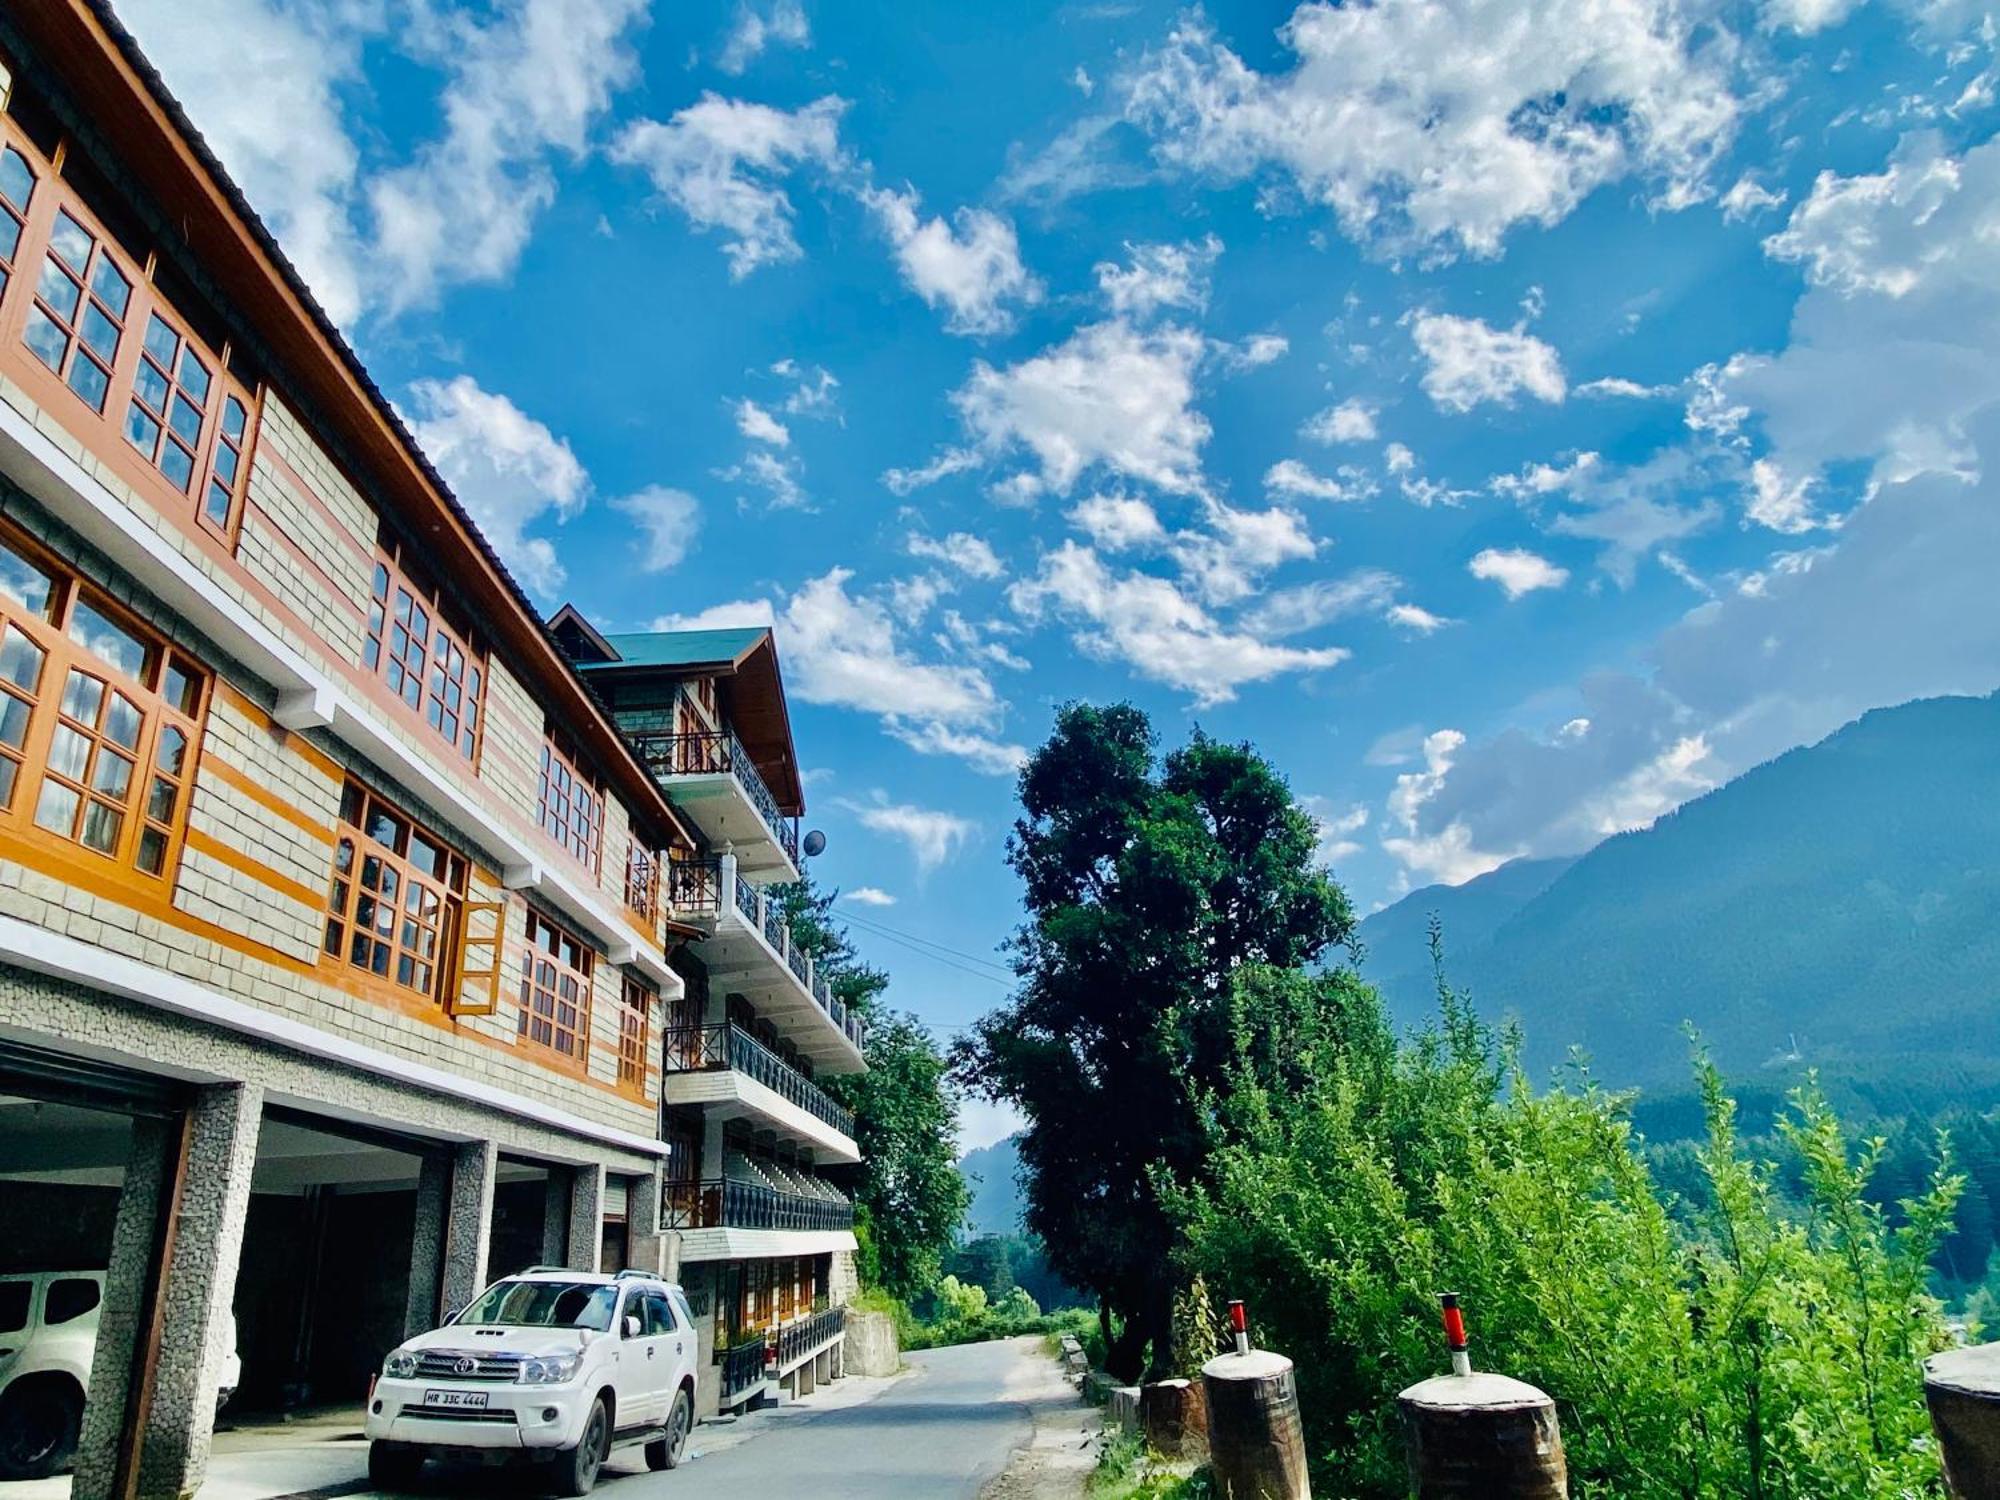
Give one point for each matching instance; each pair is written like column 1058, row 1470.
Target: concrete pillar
column 200, row 1290
column 584, row 1249
column 122, row 1328
column 1962, row 1389
column 468, row 1225
column 1482, row 1437
column 427, row 1237
column 645, row 1245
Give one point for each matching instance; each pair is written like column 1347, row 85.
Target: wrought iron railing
column 808, row 1336
column 724, row 1203
column 717, row 752
column 742, row 1366
column 694, row 887
column 699, row 1049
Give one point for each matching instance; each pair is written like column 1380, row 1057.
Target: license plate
column 457, row 1400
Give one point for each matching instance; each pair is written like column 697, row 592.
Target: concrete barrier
column 872, row 1347
column 1122, row 1409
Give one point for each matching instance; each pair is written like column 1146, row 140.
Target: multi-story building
column 764, row 1240
column 335, row 908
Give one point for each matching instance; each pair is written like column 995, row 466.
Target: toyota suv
column 552, row 1365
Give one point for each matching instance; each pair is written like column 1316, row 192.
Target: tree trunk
column 1125, row 1355
column 1159, row 1329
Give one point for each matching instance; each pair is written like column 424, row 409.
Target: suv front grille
column 453, row 1364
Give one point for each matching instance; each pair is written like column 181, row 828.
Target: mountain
column 1835, row 908
column 990, row 1171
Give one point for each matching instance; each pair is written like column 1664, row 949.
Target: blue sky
column 1515, row 419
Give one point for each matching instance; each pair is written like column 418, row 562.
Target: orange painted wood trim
column 263, row 796
column 257, row 870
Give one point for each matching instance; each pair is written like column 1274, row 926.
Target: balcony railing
column 698, row 887
column 721, row 1203
column 700, row 1049
column 742, row 1366
column 717, row 752
column 809, row 1335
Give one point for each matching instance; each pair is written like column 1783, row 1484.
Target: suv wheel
column 667, row 1452
column 393, row 1466
column 39, row 1423
column 576, row 1468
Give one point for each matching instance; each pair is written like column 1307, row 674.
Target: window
column 555, row 989
column 97, row 719
column 15, row 1299
column 659, row 1314
column 174, row 390
column 17, row 188
column 69, row 1299
column 395, row 904
column 78, row 317
column 572, row 810
column 635, row 1007
column 433, row 666
column 642, row 881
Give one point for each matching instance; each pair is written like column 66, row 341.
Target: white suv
column 48, row 1337
column 561, row 1366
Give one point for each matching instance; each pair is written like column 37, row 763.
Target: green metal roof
column 678, row 648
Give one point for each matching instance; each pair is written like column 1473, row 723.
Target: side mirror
column 631, row 1326
column 451, row 1317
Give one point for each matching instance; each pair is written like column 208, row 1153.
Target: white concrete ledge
column 57, row 956
column 761, row 1244
column 726, row 1094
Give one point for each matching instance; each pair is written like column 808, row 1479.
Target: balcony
column 711, row 778
column 749, row 951
column 731, row 1075
column 801, row 1340
column 745, row 1218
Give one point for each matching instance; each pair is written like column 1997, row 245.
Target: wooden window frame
column 399, row 870
column 44, row 725
column 91, row 296
column 14, row 215
column 217, row 454
column 450, row 674
column 642, row 880
column 572, row 804
column 635, row 1011
column 545, row 966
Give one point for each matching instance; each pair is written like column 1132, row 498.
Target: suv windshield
column 544, row 1304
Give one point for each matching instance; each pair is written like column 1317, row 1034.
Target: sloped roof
column 683, row 649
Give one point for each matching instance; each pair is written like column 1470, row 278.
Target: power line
column 871, row 925
column 935, row 951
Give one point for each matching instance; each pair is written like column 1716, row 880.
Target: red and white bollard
column 1480, row 1437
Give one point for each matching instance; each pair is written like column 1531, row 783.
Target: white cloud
column 1398, row 459
column 668, row 519
column 983, row 753
column 1782, row 503
column 1414, row 617
column 1252, row 353
column 760, row 426
column 970, row 267
column 813, row 394
column 933, row 836
column 774, row 474
column 1159, row 276
column 508, row 469
column 1117, row 523
column 1352, row 421
column 1447, row 854
column 1443, row 125
column 1615, row 387
column 722, row 162
column 1309, row 606
column 783, row 24
column 1631, row 510
column 1807, row 16
column 1747, row 197
column 868, row 895
column 1149, row 624
column 971, row 555
column 1337, row 827
column 1290, row 477
column 1470, row 363
column 522, row 83
column 1224, row 559
column 951, row 461
column 1517, row 570
column 1083, row 83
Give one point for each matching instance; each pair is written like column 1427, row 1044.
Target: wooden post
column 1962, row 1389
column 1173, row 1418
column 1482, row 1437
column 1257, row 1450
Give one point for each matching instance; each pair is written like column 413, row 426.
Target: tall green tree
column 1149, row 882
column 909, row 1197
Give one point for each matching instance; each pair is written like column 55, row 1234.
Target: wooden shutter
column 482, row 939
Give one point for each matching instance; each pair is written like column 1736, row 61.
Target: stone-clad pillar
column 427, row 1237
column 585, row 1249
column 468, row 1225
column 121, row 1324
column 645, row 1246
column 200, row 1289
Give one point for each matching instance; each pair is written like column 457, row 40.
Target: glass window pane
column 14, row 717
column 233, row 418
column 90, row 380
column 160, row 800
column 99, row 331
column 101, row 825
column 69, row 753
column 17, row 178
column 111, row 286
column 69, row 1299
column 112, row 775
column 177, row 464
column 121, row 724
column 150, row 386
column 181, row 688
column 24, row 583
column 140, row 429
column 225, row 463
column 10, row 772
column 55, row 809
column 217, row 509
column 153, row 852
column 60, row 290
column 172, row 753
column 10, row 235
column 161, row 341
column 82, row 696
column 113, row 643
column 186, row 418
column 71, row 240
column 48, row 342
column 193, row 376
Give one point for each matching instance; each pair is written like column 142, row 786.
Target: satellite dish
column 815, row 844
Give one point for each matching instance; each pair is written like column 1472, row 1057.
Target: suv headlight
column 401, row 1364
column 551, row 1369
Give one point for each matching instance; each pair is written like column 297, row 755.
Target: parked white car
column 48, row 1335
column 557, row 1366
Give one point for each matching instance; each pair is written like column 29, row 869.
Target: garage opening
column 530, row 1218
